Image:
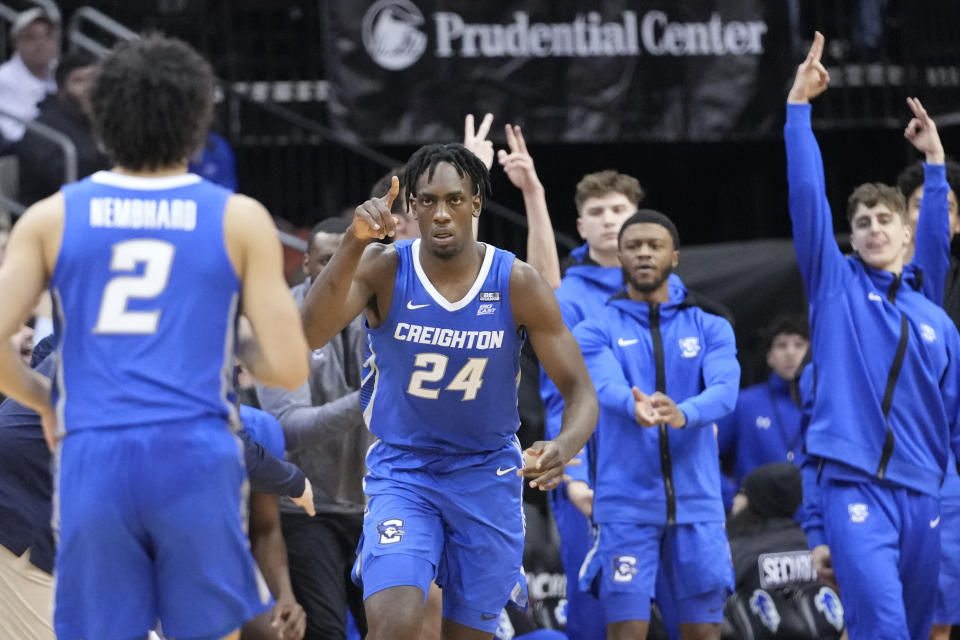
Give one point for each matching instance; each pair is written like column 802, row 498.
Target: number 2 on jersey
column 157, row 259
column 469, row 379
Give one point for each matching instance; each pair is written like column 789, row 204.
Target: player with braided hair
column 446, row 318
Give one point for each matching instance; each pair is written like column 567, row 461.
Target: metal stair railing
column 76, row 38
column 66, row 144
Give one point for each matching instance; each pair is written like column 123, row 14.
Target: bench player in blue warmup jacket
column 446, row 317
column 885, row 398
column 146, row 266
column 930, row 190
column 604, row 200
column 665, row 370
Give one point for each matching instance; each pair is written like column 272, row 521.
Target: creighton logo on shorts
column 624, row 568
column 829, row 605
column 391, row 531
column 858, row 512
column 764, row 608
column 927, row 332
column 689, row 347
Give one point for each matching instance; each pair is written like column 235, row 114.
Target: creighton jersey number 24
column 441, row 374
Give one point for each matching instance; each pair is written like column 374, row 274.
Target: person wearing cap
column 665, row 369
column 27, row 77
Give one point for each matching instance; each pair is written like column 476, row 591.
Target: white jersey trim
column 436, row 295
column 143, row 183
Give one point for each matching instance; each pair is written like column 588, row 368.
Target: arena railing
column 249, row 94
column 9, row 201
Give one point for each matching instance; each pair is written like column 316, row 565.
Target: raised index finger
column 816, row 49
column 391, row 195
column 468, row 128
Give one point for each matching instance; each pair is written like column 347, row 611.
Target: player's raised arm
column 818, row 255
column 280, row 356
column 535, row 308
column 23, row 275
column 932, row 238
column 345, row 286
column 519, row 167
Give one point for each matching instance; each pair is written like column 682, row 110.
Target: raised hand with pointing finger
column 812, row 77
column 373, row 219
column 921, row 132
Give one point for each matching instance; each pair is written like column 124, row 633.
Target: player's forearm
column 21, row 383
column 541, row 246
column 270, row 553
column 932, row 244
column 810, row 214
column 323, row 310
column 579, row 418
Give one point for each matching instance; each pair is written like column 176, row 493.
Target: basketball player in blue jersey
column 147, row 265
column 446, row 317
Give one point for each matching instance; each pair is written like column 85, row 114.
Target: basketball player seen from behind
column 447, row 316
column 147, row 265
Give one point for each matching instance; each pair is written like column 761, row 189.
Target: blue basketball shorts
column 454, row 518
column 151, row 524
column 947, row 610
column 585, row 619
column 885, row 548
column 694, row 558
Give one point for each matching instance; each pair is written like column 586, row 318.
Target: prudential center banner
column 406, row 71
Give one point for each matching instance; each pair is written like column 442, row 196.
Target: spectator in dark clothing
column 777, row 594
column 762, row 524
column 41, row 159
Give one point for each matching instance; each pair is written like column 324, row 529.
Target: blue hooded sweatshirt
column 585, row 288
column 887, row 379
column 659, row 475
column 764, row 427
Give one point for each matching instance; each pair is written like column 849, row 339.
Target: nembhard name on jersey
column 448, row 337
column 140, row 213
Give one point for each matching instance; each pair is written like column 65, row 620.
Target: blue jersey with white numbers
column 441, row 377
column 145, row 301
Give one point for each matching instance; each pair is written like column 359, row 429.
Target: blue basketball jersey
column 145, row 303
column 442, row 376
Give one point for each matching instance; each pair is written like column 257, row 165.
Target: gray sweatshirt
column 322, row 422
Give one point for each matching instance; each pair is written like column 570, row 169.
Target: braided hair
column 425, row 161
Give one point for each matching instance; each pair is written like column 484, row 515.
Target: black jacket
column 42, row 161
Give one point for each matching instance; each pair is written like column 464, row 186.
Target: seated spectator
column 27, row 77
column 765, row 425
column 42, row 160
column 777, row 594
